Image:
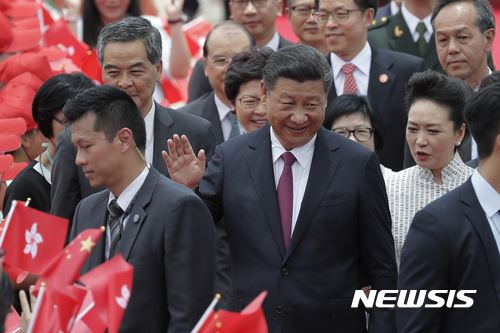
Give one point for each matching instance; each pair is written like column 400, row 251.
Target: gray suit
column 69, row 184
column 170, row 240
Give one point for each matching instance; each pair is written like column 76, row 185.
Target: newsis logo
column 414, row 298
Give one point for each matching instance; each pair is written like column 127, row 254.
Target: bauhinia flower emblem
column 33, row 238
column 123, row 299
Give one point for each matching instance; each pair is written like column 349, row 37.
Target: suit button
column 279, row 309
column 284, row 271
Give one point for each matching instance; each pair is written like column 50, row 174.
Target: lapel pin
column 383, row 78
column 397, row 31
column 136, row 218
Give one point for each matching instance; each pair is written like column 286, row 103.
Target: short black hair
column 484, row 15
column 53, row 94
column 227, row 23
column 299, row 63
column 245, row 66
column 483, row 117
column 366, row 4
column 490, row 79
column 114, row 110
column 346, row 105
column 444, row 90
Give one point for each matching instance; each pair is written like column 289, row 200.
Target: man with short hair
column 454, row 243
column 162, row 229
column 130, row 56
column 304, row 24
column 361, row 69
column 305, row 210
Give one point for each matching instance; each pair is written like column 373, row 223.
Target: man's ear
column 126, row 139
column 159, row 69
column 490, row 37
column 205, row 61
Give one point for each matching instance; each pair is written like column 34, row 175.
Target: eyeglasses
column 242, row 4
column 249, row 102
column 62, row 121
column 303, row 10
column 220, row 61
column 360, row 134
column 337, row 15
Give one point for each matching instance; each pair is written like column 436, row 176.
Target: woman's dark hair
column 52, row 95
column 92, row 23
column 245, row 66
column 346, row 105
column 441, row 89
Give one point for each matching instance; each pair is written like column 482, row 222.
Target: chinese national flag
column 250, row 320
column 110, row 284
column 65, row 269
column 59, row 33
column 31, row 238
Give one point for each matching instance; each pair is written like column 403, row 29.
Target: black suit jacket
column 387, row 98
column 169, row 239
column 198, row 82
column 343, row 231
column 205, row 107
column 450, row 246
column 69, row 184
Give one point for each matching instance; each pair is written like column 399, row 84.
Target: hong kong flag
column 31, row 238
column 110, row 285
column 12, row 322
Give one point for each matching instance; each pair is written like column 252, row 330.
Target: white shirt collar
column 303, row 154
column 488, row 197
column 274, row 43
column 42, row 170
column 149, row 121
column 222, row 108
column 394, row 8
column 412, row 21
column 362, row 61
column 130, row 191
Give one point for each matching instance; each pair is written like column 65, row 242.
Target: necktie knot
column 114, row 209
column 348, row 68
column 288, row 158
column 421, row 28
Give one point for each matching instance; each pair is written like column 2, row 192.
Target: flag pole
column 206, row 313
column 38, row 304
column 28, row 201
column 7, row 221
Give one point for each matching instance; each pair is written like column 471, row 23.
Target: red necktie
column 350, row 86
column 285, row 196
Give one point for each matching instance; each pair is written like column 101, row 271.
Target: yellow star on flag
column 87, row 245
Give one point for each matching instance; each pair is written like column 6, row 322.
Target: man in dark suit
column 130, row 55
column 392, row 7
column 359, row 68
column 259, row 17
column 161, row 228
column 454, row 242
column 305, row 210
column 223, row 42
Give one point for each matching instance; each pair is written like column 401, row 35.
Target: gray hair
column 484, row 16
column 299, row 63
column 128, row 30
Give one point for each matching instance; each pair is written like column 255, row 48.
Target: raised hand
column 184, row 167
column 173, row 9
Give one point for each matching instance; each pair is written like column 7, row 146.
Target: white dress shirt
column 274, row 43
column 223, row 111
column 362, row 61
column 149, row 121
column 300, row 169
column 124, row 201
column 489, row 199
column 412, row 21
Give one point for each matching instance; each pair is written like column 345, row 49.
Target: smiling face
column 431, row 135
column 295, row 110
column 111, row 10
column 249, row 110
column 126, row 66
column 305, row 26
column 462, row 48
column 356, row 121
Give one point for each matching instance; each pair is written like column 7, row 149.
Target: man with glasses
column 360, row 69
column 259, row 17
column 305, row 25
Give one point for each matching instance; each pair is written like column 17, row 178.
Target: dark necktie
column 350, row 86
column 114, row 224
column 421, row 42
column 285, row 196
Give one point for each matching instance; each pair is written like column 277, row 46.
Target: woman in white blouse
column 435, row 129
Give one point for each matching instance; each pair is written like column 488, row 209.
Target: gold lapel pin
column 383, row 78
column 397, row 31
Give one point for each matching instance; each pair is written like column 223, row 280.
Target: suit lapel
column 260, row 165
column 401, row 37
column 96, row 257
column 138, row 214
column 323, row 167
column 476, row 217
column 381, row 81
column 213, row 116
column 332, row 93
column 162, row 131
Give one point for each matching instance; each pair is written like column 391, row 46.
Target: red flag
column 196, row 32
column 59, row 33
column 65, row 269
column 250, row 320
column 12, row 322
column 91, row 67
column 31, row 238
column 88, row 320
column 110, row 284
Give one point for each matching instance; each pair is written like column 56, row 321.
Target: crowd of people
column 367, row 156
